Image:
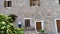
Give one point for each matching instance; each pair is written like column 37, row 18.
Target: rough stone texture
column 30, row 32
column 48, row 11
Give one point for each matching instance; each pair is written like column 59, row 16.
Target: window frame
column 33, row 2
column 24, row 21
column 6, row 3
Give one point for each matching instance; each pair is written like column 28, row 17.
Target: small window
column 27, row 22
column 59, row 1
column 7, row 3
column 34, row 3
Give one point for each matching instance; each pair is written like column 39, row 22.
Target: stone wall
column 48, row 11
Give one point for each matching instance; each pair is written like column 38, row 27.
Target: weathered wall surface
column 47, row 12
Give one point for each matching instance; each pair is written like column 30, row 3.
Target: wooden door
column 38, row 26
column 58, row 25
column 27, row 22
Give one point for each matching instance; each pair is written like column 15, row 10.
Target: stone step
column 29, row 28
column 30, row 32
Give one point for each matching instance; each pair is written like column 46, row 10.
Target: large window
column 34, row 2
column 7, row 3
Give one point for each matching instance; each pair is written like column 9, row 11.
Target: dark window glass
column 59, row 1
column 9, row 3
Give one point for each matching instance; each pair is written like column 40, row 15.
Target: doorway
column 58, row 25
column 38, row 25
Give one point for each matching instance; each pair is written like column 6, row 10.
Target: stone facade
column 48, row 11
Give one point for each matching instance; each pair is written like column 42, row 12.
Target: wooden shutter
column 27, row 22
column 5, row 3
column 38, row 2
column 30, row 2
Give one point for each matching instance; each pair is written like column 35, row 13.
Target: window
column 27, row 22
column 34, row 2
column 59, row 1
column 7, row 3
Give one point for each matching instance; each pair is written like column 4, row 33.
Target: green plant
column 13, row 17
column 7, row 27
column 22, row 32
column 42, row 31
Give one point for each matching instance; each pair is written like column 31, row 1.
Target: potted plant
column 41, row 32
